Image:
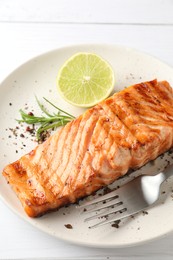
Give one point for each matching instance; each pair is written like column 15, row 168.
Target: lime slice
column 85, row 79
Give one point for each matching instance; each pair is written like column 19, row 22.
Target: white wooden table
column 29, row 28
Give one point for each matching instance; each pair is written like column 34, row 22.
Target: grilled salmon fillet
column 125, row 131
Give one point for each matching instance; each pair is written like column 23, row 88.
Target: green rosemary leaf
column 43, row 109
column 47, row 122
column 60, row 110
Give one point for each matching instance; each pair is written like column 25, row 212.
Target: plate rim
column 84, row 45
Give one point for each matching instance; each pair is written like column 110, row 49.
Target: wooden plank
column 90, row 11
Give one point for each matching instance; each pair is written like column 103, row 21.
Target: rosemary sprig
column 47, row 121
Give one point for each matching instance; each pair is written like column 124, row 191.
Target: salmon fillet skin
column 122, row 132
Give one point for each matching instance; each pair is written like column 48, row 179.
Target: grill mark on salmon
column 165, row 99
column 76, row 142
column 54, row 140
column 163, row 93
column 36, row 179
column 52, row 145
column 55, row 163
column 153, row 99
column 78, row 183
column 120, row 131
column 56, row 160
column 82, row 149
column 125, row 131
column 68, row 170
column 51, row 180
column 133, row 121
column 68, row 146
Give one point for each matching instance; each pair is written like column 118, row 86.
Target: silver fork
column 133, row 197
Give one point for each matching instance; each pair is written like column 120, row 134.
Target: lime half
column 85, row 79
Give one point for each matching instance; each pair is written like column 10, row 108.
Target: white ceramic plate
column 37, row 77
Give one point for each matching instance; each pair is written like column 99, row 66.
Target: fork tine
column 113, row 202
column 104, row 222
column 119, row 216
column 99, row 199
column 106, row 212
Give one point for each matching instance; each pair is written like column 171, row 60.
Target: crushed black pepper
column 44, row 136
column 106, row 190
column 116, row 224
column 13, row 130
column 69, row 226
column 144, row 212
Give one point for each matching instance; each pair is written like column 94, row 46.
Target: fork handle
column 164, row 175
column 168, row 172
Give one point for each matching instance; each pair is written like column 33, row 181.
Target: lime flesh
column 85, row 79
